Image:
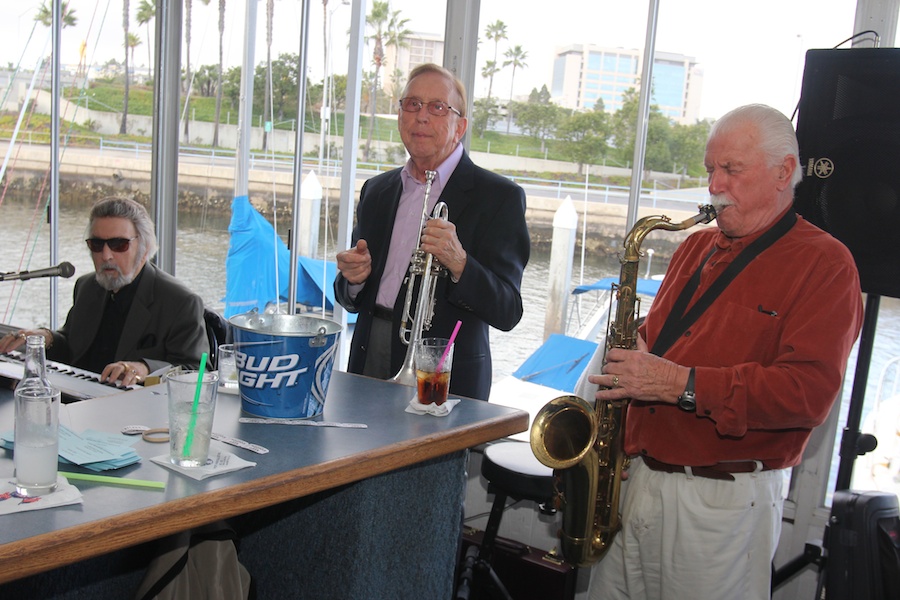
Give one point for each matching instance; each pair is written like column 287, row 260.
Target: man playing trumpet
column 484, row 245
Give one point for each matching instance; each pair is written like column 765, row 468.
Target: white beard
column 115, row 282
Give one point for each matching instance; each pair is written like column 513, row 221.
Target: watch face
column 687, row 402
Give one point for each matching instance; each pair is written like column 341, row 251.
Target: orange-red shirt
column 770, row 352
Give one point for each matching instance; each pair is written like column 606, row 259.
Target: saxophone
column 584, row 444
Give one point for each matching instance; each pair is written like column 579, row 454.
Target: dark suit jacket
column 489, row 213
column 164, row 325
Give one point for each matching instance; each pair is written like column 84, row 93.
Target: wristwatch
column 688, row 401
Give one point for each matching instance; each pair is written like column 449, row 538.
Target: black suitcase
column 862, row 543
column 527, row 573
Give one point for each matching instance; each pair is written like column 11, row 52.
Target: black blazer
column 164, row 324
column 489, row 213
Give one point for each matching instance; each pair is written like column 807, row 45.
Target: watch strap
column 688, row 401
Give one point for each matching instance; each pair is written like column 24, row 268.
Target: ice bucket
column 284, row 363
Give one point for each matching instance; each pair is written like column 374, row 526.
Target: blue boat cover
column 558, row 363
column 250, row 266
column 647, row 287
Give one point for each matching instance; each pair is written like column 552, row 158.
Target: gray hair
column 777, row 136
column 126, row 208
column 447, row 74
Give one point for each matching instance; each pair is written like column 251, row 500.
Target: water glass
column 228, row 377
column 192, row 404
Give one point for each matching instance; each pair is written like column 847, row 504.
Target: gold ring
column 615, row 381
column 22, row 335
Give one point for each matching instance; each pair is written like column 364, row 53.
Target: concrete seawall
column 205, row 185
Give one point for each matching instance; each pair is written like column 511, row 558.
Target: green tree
column 284, row 81
column 538, row 117
column 657, row 155
column 583, row 136
column 147, row 12
column 206, row 80
column 232, row 87
column 485, row 112
column 688, row 146
column 495, row 32
column 339, row 90
column 515, row 57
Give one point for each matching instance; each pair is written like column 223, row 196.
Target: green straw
column 159, row 485
column 189, row 440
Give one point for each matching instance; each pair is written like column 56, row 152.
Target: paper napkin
column 443, row 410
column 65, row 493
column 218, row 463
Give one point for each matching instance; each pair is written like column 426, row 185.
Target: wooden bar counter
column 328, row 512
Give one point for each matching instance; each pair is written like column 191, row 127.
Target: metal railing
column 552, row 188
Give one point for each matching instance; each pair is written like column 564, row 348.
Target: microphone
column 63, row 269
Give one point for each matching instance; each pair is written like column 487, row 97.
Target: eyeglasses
column 115, row 244
column 437, row 108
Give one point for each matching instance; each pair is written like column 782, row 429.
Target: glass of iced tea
column 434, row 359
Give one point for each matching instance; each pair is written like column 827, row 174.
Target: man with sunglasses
column 484, row 244
column 128, row 319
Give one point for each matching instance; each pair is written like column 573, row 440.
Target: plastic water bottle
column 36, row 445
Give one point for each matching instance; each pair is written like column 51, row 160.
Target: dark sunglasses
column 115, row 244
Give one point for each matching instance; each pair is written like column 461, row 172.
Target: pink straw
column 449, row 345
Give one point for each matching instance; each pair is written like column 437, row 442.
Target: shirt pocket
column 746, row 334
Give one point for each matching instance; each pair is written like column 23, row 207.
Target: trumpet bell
column 563, row 432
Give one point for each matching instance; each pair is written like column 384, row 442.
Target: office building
column 584, row 74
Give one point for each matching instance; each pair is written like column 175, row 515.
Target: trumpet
column 423, row 274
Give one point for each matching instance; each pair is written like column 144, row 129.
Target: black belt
column 722, row 470
column 381, row 312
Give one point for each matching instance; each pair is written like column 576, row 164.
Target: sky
column 748, row 51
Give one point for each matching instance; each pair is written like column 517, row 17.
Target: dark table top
column 302, row 460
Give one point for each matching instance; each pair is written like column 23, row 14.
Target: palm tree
column 495, row 31
column 45, row 17
column 147, row 12
column 215, row 140
column 390, row 30
column 187, row 65
column 133, row 42
column 123, row 128
column 396, row 37
column 515, row 56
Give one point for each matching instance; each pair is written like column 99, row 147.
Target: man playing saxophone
column 483, row 245
column 728, row 379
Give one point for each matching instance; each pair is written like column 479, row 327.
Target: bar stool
column 512, row 471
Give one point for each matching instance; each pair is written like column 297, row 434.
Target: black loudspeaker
column 848, row 127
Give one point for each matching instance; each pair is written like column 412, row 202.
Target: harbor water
column 202, row 246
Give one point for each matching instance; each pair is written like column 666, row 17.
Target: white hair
column 777, row 136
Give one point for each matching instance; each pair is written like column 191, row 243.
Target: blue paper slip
column 94, row 450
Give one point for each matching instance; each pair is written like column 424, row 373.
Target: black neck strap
column 678, row 320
